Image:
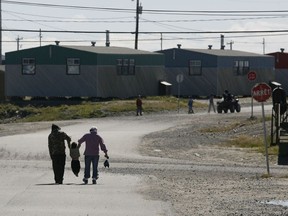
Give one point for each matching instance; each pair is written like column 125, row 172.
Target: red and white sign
column 251, row 75
column 261, row 92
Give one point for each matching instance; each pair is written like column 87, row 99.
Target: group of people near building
column 139, row 109
column 57, row 150
column 210, row 106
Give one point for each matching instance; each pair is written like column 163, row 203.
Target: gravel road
column 189, row 167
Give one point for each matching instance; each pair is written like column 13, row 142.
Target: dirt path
column 189, row 167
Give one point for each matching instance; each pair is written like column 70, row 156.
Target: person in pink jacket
column 93, row 141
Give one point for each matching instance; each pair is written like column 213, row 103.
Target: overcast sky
column 222, row 17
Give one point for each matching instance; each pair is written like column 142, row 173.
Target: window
column 119, row 66
column 131, row 70
column 125, row 66
column 28, row 66
column 241, row 68
column 195, row 68
column 73, row 66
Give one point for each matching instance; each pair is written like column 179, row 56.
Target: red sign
column 251, row 75
column 261, row 92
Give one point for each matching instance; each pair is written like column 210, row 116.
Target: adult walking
column 93, row 141
column 56, row 145
column 211, row 103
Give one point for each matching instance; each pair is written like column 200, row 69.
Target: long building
column 83, row 71
column 105, row 72
column 212, row 71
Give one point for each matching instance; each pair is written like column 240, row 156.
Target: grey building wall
column 281, row 76
column 203, row 85
column 240, row 85
column 217, row 71
column 93, row 81
column 216, row 81
column 145, row 82
column 2, row 85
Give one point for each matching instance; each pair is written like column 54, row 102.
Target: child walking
column 190, row 105
column 75, row 154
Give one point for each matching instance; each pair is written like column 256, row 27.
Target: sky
column 162, row 24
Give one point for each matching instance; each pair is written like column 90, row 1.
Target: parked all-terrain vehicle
column 231, row 103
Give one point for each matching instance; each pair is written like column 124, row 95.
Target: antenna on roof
column 107, row 38
column 222, row 47
column 231, row 43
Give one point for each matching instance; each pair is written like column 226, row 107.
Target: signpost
column 261, row 92
column 179, row 79
column 252, row 77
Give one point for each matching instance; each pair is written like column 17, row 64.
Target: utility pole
column 138, row 11
column 0, row 32
column 18, row 40
column 40, row 37
column 161, row 38
column 263, row 45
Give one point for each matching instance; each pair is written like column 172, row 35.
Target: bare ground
column 191, row 169
column 219, row 180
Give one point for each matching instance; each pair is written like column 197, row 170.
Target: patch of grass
column 254, row 143
column 229, row 127
column 266, row 175
column 284, row 176
column 87, row 109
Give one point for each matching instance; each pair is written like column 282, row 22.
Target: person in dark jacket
column 190, row 105
column 56, row 145
column 139, row 106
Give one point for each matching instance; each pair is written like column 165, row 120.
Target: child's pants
column 75, row 165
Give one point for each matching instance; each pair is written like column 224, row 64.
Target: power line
column 229, row 15
column 70, row 21
column 63, row 18
column 142, row 20
column 170, row 12
column 68, row 6
column 150, row 32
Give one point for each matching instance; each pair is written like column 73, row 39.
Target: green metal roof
column 89, row 55
column 224, row 52
column 111, row 50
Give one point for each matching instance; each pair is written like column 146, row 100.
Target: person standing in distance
column 190, row 105
column 56, row 145
column 139, row 106
column 211, row 103
column 93, row 141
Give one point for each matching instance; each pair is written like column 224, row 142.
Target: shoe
column 94, row 181
column 85, row 181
